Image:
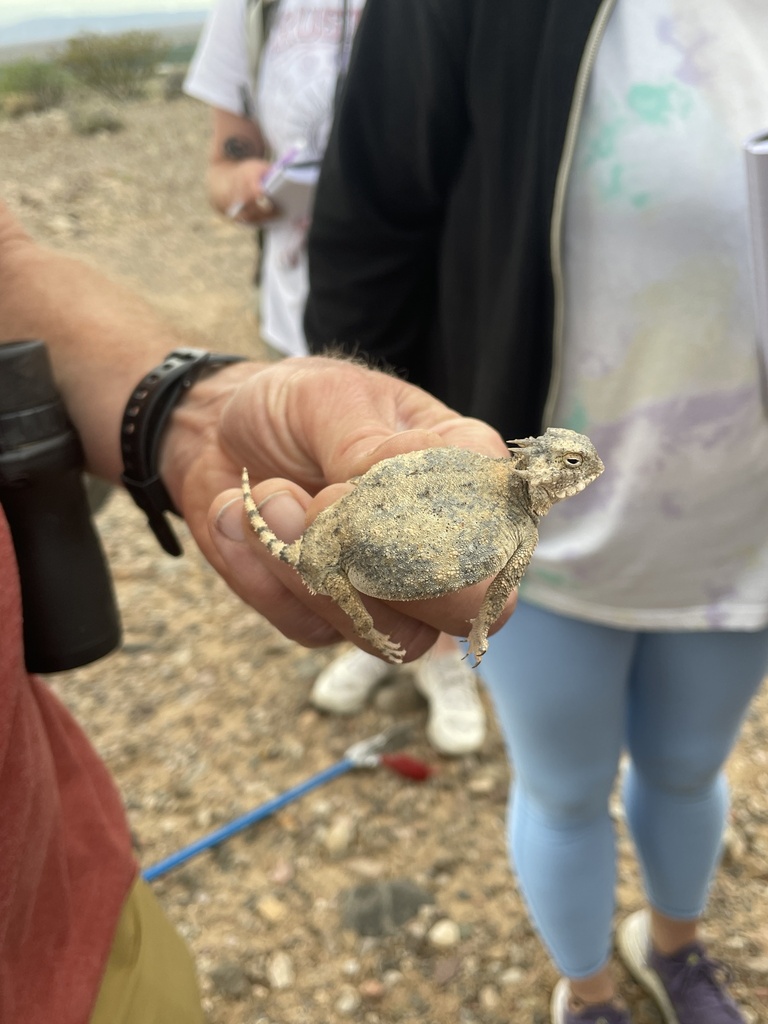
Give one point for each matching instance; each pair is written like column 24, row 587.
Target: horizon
column 34, row 10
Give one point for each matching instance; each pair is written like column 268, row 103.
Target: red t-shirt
column 66, row 863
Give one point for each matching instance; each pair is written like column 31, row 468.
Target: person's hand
column 303, row 428
column 240, row 186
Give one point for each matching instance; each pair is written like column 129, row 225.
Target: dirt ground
column 203, row 714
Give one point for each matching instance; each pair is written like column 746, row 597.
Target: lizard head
column 556, row 465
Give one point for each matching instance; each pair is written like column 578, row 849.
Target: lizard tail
column 288, row 553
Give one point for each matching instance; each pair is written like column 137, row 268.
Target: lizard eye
column 574, row 460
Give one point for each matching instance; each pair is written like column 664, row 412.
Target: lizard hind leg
column 288, row 553
column 338, row 588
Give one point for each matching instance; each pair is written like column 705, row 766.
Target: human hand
column 241, row 190
column 304, row 427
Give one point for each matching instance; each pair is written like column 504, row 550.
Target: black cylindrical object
column 70, row 612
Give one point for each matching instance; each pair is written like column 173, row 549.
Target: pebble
column 271, row 909
column 372, row 990
column 734, row 847
column 446, row 969
column 379, row 908
column 444, row 934
column 350, row 968
column 340, row 836
column 489, row 997
column 365, row 867
column 511, row 977
column 282, row 873
column 231, row 981
column 280, row 971
column 348, row 1002
column 482, row 785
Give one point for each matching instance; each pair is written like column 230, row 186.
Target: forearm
column 102, row 339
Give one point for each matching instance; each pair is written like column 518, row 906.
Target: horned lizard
column 429, row 522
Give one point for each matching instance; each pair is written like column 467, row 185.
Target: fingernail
column 229, row 521
column 286, row 517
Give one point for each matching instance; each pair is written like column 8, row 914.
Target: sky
column 12, row 11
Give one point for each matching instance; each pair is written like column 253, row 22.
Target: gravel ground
column 203, row 714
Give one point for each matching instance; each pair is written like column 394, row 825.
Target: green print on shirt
column 652, row 104
column 658, row 104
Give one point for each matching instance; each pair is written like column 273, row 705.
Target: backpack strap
column 259, row 15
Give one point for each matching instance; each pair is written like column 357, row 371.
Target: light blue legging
column 570, row 695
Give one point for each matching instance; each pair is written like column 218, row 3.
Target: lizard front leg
column 497, row 594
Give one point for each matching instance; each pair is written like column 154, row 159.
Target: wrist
column 193, row 427
column 145, row 421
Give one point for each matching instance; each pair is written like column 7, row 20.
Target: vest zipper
column 561, row 184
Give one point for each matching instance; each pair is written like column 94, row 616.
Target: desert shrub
column 90, row 119
column 31, row 85
column 173, row 85
column 118, row 66
column 181, row 53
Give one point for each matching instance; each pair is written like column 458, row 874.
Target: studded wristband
column 144, row 420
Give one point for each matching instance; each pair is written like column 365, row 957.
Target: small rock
column 365, row 867
column 280, row 971
column 734, row 849
column 282, row 873
column 444, row 934
column 379, row 908
column 511, row 977
column 340, row 836
column 347, row 1003
column 482, row 785
column 231, row 981
column 271, row 909
column 372, row 990
column 489, row 997
column 446, row 969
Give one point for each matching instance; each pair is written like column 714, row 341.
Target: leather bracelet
column 144, row 420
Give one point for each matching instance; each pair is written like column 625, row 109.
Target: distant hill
column 38, row 37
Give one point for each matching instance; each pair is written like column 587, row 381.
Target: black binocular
column 69, row 608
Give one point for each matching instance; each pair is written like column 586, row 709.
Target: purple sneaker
column 688, row 988
column 599, row 1013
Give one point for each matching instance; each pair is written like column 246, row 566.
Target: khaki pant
column 150, row 976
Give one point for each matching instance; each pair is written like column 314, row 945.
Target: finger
column 453, row 613
column 257, row 577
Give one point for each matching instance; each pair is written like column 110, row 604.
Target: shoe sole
column 632, row 945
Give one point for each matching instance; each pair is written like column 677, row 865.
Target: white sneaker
column 344, row 686
column 456, row 722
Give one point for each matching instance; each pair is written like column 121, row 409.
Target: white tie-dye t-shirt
column 660, row 353
column 293, row 102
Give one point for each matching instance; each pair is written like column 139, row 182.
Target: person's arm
column 102, row 338
column 221, row 77
column 236, row 167
column 395, row 149
column 298, row 426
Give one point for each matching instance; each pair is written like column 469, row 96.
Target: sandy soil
column 203, row 714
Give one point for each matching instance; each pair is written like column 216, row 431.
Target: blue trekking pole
column 368, row 753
